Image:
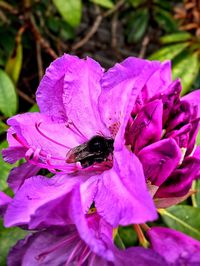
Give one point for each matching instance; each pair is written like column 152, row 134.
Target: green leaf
column 34, row 108
column 198, row 139
column 70, row 10
column 128, row 235
column 3, row 127
column 187, row 69
column 4, row 168
column 183, row 218
column 168, row 52
column 103, row 3
column 165, row 19
column 118, row 242
column 176, row 37
column 8, row 99
column 137, row 25
column 196, row 196
column 8, row 238
column 14, row 63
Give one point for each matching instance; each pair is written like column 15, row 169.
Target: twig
column 39, row 61
column 9, row 8
column 38, row 37
column 25, row 96
column 96, row 25
column 90, row 33
column 143, row 49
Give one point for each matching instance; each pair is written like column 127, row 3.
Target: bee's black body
column 96, row 150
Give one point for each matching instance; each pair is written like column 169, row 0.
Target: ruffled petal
column 122, row 196
column 50, row 91
column 80, row 97
column 35, row 202
column 159, row 160
column 177, row 248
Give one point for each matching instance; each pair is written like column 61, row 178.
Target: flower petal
column 193, row 99
column 19, row 174
column 159, row 160
column 50, row 91
column 80, row 96
column 49, row 247
column 180, row 181
column 39, row 192
column 122, row 84
column 147, row 126
column 45, row 139
column 4, row 201
column 177, row 248
column 139, row 256
column 122, row 196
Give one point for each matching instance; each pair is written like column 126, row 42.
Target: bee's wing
column 78, row 153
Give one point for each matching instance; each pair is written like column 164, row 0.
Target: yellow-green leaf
column 8, row 96
column 103, row 3
column 176, row 37
column 183, row 218
column 187, row 69
column 14, row 63
column 70, row 10
column 168, row 52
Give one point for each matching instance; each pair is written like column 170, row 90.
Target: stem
column 143, row 241
column 193, row 196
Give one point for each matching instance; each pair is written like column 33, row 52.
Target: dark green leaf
column 70, row 10
column 8, row 99
column 168, row 52
column 165, row 19
column 127, row 235
column 103, row 3
column 8, row 238
column 176, row 37
column 137, row 25
column 118, row 242
column 187, row 69
column 183, row 218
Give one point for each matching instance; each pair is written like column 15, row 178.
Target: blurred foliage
column 35, row 32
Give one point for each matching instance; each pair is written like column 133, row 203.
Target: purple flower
column 177, row 248
column 89, row 241
column 162, row 132
column 81, row 104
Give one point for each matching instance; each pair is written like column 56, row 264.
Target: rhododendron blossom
column 115, row 145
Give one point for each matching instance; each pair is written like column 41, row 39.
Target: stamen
column 45, row 136
column 76, row 129
column 75, row 251
column 84, row 255
column 66, row 241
